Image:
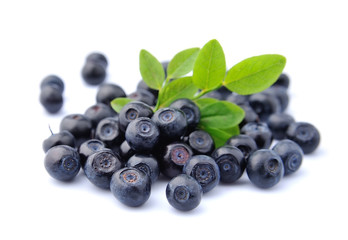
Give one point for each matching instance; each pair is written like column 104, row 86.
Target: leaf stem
column 205, row 91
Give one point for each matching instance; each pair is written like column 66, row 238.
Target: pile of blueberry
column 127, row 151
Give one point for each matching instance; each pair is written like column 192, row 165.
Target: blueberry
column 260, row 132
column 62, row 162
column 281, row 94
column 100, row 166
column 190, row 109
column 108, row 132
column 144, row 96
column 61, row 138
column 142, row 134
column 97, row 57
column 305, row 135
column 291, row 155
column 51, row 99
column 97, row 112
column 142, row 85
column 249, row 115
column 108, row 92
column 89, row 147
column 238, row 99
column 132, row 111
column 171, row 122
column 205, row 170
column 78, row 125
column 278, row 123
column 244, row 143
column 131, row 186
column 184, row 193
column 231, row 163
column 93, row 72
column 146, row 163
column 201, row 142
column 53, row 81
column 126, row 151
column 265, row 168
column 282, row 81
column 214, row 94
column 173, row 159
column 264, row 105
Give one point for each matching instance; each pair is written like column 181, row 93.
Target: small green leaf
column 151, row 70
column 204, row 102
column 220, row 114
column 210, row 67
column 221, row 135
column 182, row 63
column 255, row 74
column 179, row 88
column 118, row 103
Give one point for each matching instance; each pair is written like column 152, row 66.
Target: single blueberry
column 97, row 112
column 142, row 85
column 51, row 99
column 53, row 81
column 244, row 143
column 264, row 105
column 93, row 72
column 201, row 142
column 249, row 115
column 97, row 57
column 108, row 131
column 62, row 138
column 132, row 111
column 278, row 123
column 305, row 135
column 190, row 109
column 108, row 92
column 260, row 132
column 146, row 163
column 144, row 96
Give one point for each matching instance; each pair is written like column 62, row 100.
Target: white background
column 38, row 38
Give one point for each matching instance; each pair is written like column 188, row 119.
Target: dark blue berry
column 291, row 155
column 126, row 151
column 108, row 131
column 97, row 57
column 132, row 111
column 89, row 147
column 100, row 166
column 53, row 81
column 278, row 123
column 201, row 142
column 51, row 99
column 260, row 132
column 93, row 72
column 99, row 111
column 142, row 85
column 238, row 99
column 144, row 96
column 231, row 163
column 244, row 143
column 142, row 134
column 281, row 94
column 190, row 109
column 62, row 162
column 265, row 168
column 171, row 122
column 173, row 159
column 205, row 170
column 282, row 81
column 108, row 92
column 264, row 105
column 146, row 163
column 61, row 138
column 184, row 193
column 305, row 135
column 249, row 115
column 131, row 186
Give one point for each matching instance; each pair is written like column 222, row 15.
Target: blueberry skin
column 108, row 92
column 108, row 131
column 184, row 193
column 100, row 166
column 238, row 99
column 260, row 132
column 146, row 163
column 278, row 123
column 51, row 99
column 132, row 111
column 142, row 85
column 144, row 96
column 78, row 125
column 93, row 72
column 265, row 168
column 131, row 186
column 191, row 110
column 89, row 147
column 282, row 81
column 291, row 155
column 305, row 135
column 201, row 142
column 205, row 170
column 231, row 163
column 281, row 94
column 62, row 162
column 53, row 81
column 61, row 138
column 244, row 143
column 126, row 151
column 264, row 105
column 250, row 115
column 173, row 159
column 171, row 122
column 142, row 134
column 97, row 112
column 97, row 57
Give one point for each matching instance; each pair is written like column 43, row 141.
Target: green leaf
column 151, row 70
column 182, row 63
column 221, row 135
column 204, row 102
column 118, row 103
column 179, row 88
column 210, row 67
column 255, row 74
column 220, row 114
